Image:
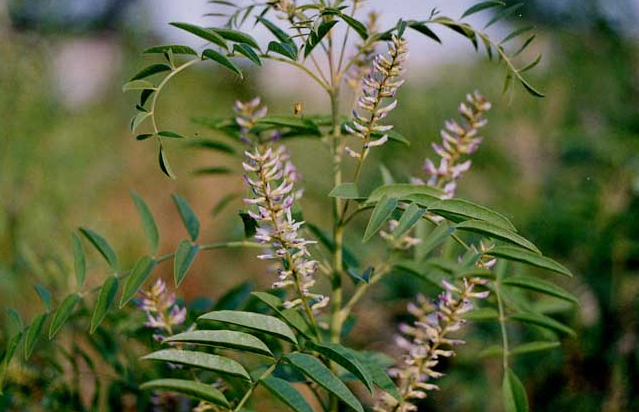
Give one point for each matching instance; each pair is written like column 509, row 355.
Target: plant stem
column 248, row 393
column 502, row 325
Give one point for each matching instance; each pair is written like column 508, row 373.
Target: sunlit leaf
column 458, row 210
column 138, row 85
column 279, row 34
column 164, row 163
column 403, row 191
column 292, row 317
column 283, row 49
column 175, row 49
column 201, row 32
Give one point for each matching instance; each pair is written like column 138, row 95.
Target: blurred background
column 564, row 169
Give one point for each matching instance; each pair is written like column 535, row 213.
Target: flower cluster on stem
column 458, row 140
column 162, row 313
column 271, row 177
column 428, row 339
column 379, row 86
column 362, row 65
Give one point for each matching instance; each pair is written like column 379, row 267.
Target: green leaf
column 409, row 218
column 164, row 163
column 144, row 136
column 530, row 88
column 403, row 191
column 247, row 52
column 202, row 32
column 531, row 347
column 496, row 232
column 292, row 317
column 213, row 171
column 138, row 119
column 62, row 313
column 356, row 25
column 345, row 191
column 150, row 71
column 101, row 245
column 458, row 210
column 383, row 210
column 254, row 321
column 345, row 358
column 236, row 36
column 174, row 48
column 12, row 345
column 223, row 339
column 184, row 256
column 514, row 393
column 223, row 60
column 136, row 279
column 200, row 360
column 424, row 29
column 531, row 65
column 285, row 392
column 522, row 255
column 315, row 370
column 378, row 375
column 516, row 33
column 190, row 220
column 435, row 238
column 481, row 6
column 503, row 14
column 33, row 334
column 250, row 224
column 106, row 297
column 283, row 49
column 45, row 296
column 542, row 321
column 197, row 390
column 316, row 37
column 79, row 261
column 148, row 222
column 280, row 34
column 541, row 286
column 137, row 85
column 170, row 134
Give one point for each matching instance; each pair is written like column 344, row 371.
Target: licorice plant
column 292, row 346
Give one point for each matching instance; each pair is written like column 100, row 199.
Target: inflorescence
column 381, row 84
column 162, row 313
column 427, row 340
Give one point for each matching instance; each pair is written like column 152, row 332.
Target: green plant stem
column 300, row 66
column 254, row 385
column 502, row 325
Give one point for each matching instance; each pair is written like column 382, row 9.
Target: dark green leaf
column 503, row 14
column 223, row 339
column 184, row 256
column 531, row 347
column 514, row 393
column 383, row 210
column 314, row 369
column 148, row 222
column 530, row 88
column 45, row 296
column 8, row 355
column 541, row 286
column 106, row 297
column 356, row 25
column 190, row 220
column 164, row 163
column 213, row 171
column 542, row 321
column 144, row 136
column 345, row 358
column 423, row 29
column 458, row 210
column 150, row 71
column 280, row 34
column 200, row 360
column 316, row 37
column 79, row 261
column 285, row 392
column 189, row 388
column 283, row 49
column 236, row 36
column 409, row 218
column 378, row 374
column 254, row 321
column 223, row 60
column 250, row 224
column 481, row 6
column 247, row 52
column 345, row 191
column 137, row 85
column 435, row 238
column 292, row 317
column 168, row 133
column 496, row 232
column 33, row 334
column 524, row 256
column 175, row 49
column 516, row 33
column 101, row 245
column 62, row 313
column 136, row 279
column 138, row 119
column 202, row 32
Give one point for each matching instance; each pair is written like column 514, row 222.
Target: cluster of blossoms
column 271, row 176
column 247, row 115
column 362, row 65
column 427, row 339
column 458, row 140
column 161, row 311
column 381, row 84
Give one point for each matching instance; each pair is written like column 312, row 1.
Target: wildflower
column 427, row 340
column 271, row 176
column 380, row 85
column 161, row 311
column 457, row 141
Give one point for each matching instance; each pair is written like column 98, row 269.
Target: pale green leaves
column 136, row 279
column 383, row 210
column 200, row 360
column 254, row 321
column 345, row 191
column 148, row 222
column 223, row 339
column 193, row 389
column 514, row 393
column 33, row 334
column 496, row 232
column 105, row 299
column 184, row 256
column 102, row 246
column 62, row 313
column 79, row 261
column 409, row 218
column 190, row 220
column 524, row 256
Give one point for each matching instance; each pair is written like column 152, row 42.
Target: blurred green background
column 564, row 168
